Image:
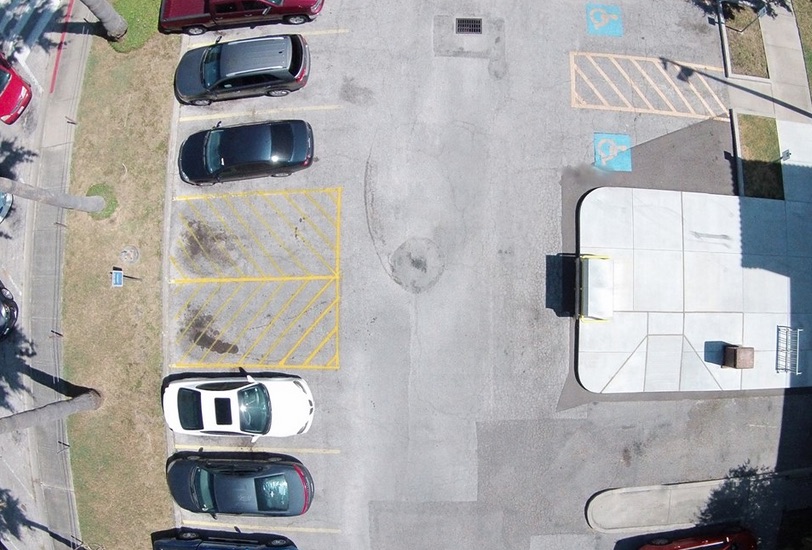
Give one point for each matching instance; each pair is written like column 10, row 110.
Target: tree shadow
column 12, row 155
column 15, row 350
column 730, row 10
column 13, row 520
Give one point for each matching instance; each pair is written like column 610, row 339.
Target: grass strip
column 760, row 157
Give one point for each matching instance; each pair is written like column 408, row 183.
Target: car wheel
column 280, row 175
column 279, row 542
column 659, row 542
column 201, row 102
column 188, row 535
column 296, row 19
column 278, row 93
column 194, row 31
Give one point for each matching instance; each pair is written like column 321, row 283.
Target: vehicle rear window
column 272, row 493
column 4, row 79
column 296, row 55
column 191, row 416
column 281, row 143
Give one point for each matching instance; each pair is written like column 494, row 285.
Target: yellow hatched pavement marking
column 581, row 63
column 247, row 235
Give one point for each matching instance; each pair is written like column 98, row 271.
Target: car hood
column 179, row 480
column 191, row 160
column 188, row 75
column 292, row 408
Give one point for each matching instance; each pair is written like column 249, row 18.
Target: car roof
column 256, row 54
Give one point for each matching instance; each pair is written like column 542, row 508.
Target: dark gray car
column 8, row 311
column 186, row 539
column 256, row 484
column 274, row 148
column 269, row 65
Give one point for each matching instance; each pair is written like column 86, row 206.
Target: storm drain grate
column 469, row 26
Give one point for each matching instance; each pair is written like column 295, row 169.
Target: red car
column 729, row 540
column 15, row 93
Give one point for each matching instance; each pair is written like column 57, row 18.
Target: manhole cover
column 469, row 26
column 130, row 254
column 417, row 264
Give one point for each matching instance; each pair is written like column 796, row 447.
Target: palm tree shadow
column 13, row 520
column 12, row 155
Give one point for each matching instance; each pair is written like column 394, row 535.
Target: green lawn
column 760, row 153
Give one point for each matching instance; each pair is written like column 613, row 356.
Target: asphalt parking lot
column 405, row 276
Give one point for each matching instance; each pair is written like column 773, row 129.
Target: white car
column 277, row 406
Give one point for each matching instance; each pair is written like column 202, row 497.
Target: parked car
column 186, row 539
column 268, row 65
column 277, row 406
column 198, row 16
column 8, row 311
column 256, row 484
column 732, row 539
column 15, row 93
column 248, row 151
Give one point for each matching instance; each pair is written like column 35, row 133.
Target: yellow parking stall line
column 653, row 85
column 637, row 90
column 609, row 81
column 226, row 225
column 191, row 232
column 337, row 253
column 262, row 193
column 260, row 279
column 231, row 320
column 267, row 112
column 259, row 242
column 193, row 319
column 194, row 264
column 591, row 86
column 272, row 232
column 673, row 86
column 214, row 316
column 316, row 229
column 332, row 364
column 323, row 343
column 276, row 317
column 260, row 528
column 257, row 449
column 185, row 307
column 651, row 112
column 295, row 320
column 325, row 31
column 307, row 332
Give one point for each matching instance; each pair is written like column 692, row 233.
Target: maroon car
column 198, row 16
column 15, row 93
column 738, row 539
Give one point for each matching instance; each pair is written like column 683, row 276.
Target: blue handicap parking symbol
column 604, row 20
column 613, row 152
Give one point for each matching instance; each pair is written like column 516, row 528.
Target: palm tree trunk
column 87, row 401
column 62, row 200
column 113, row 23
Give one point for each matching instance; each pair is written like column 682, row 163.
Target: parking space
column 255, row 279
column 647, row 85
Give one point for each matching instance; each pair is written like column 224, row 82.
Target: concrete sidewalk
column 39, row 504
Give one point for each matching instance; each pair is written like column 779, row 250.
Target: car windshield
column 203, row 489
column 5, row 316
column 210, row 67
column 281, row 143
column 255, row 409
column 5, row 77
column 214, row 161
column 272, row 493
column 189, row 411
